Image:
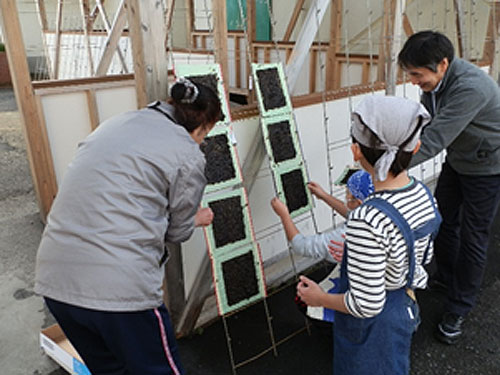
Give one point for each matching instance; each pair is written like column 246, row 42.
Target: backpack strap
column 398, row 219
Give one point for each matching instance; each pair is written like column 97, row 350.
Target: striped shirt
column 377, row 253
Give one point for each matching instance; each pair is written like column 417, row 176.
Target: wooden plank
column 92, row 109
column 112, row 40
column 134, row 24
column 383, row 49
column 190, row 23
column 407, row 25
column 304, row 41
column 494, row 33
column 331, row 81
column 85, row 10
column 293, row 20
column 55, row 69
column 313, row 54
column 109, row 28
column 237, row 60
column 220, row 38
column 463, row 49
column 38, row 148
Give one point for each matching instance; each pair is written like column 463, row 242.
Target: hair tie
column 191, row 93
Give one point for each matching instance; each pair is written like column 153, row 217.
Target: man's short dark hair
column 425, row 49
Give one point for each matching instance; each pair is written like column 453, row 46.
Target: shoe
column 450, row 328
column 436, row 285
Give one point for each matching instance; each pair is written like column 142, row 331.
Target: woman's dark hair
column 373, row 151
column 195, row 107
column 426, row 49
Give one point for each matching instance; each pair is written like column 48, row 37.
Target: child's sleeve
column 316, row 245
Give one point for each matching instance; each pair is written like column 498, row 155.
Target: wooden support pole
column 92, row 108
column 55, row 69
column 333, row 45
column 407, row 25
column 313, row 56
column 135, row 29
column 220, row 38
column 112, row 40
column 491, row 53
column 383, row 48
column 461, row 30
column 293, row 20
column 251, row 37
column 85, row 11
column 39, row 155
column 121, row 10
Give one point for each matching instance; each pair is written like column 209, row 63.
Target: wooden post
column 461, row 30
column 293, row 20
column 407, row 25
column 220, row 39
column 42, row 18
column 333, row 45
column 134, row 24
column 383, row 49
column 252, row 36
column 39, row 155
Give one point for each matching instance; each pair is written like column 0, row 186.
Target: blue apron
column 381, row 345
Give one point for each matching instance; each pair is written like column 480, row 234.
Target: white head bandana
column 393, row 120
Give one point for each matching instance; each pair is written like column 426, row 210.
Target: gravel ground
column 23, row 313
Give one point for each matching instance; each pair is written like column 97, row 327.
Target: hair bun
column 184, row 91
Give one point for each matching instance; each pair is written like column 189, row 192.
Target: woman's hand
column 279, row 207
column 336, row 249
column 310, row 292
column 203, row 217
column 317, row 190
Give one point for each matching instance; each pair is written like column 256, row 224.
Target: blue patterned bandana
column 360, row 185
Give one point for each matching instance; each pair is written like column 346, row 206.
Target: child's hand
column 336, row 250
column 279, row 207
column 317, row 190
column 203, row 217
column 309, row 292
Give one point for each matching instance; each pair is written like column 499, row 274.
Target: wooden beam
column 190, row 23
column 331, row 81
column 92, row 108
column 85, row 11
column 251, row 36
column 304, row 41
column 383, row 49
column 38, row 148
column 135, row 29
column 112, row 40
column 407, row 25
column 293, row 20
column 461, row 30
column 55, row 69
column 491, row 53
column 109, row 28
column 220, row 39
column 313, row 55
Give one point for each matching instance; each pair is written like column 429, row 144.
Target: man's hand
column 203, row 217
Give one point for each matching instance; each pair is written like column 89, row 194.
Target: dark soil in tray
column 295, row 189
column 220, row 166
column 240, row 278
column 281, row 141
column 270, row 88
column 228, row 225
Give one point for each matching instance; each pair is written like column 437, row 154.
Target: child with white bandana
column 389, row 239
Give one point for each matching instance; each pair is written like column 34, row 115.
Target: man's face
column 426, row 78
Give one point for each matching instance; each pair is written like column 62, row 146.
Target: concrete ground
column 23, row 314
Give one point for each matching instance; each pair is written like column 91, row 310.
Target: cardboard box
column 57, row 346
